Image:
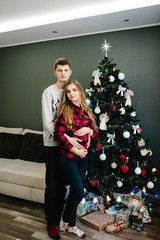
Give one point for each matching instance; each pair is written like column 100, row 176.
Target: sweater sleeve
column 47, row 113
column 59, row 133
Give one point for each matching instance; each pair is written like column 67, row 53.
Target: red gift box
column 116, row 227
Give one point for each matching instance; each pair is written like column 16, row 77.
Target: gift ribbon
column 121, row 90
column 136, row 128
column 118, row 225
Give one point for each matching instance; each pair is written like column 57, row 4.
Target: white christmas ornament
column 119, row 184
column 128, row 95
column 88, row 101
column 101, row 116
column 96, row 75
column 103, row 125
column 126, row 134
column 143, row 150
column 97, row 110
column 113, row 165
column 150, row 185
column 122, row 110
column 111, row 78
column 137, row 170
column 133, row 114
column 141, row 142
column 102, row 156
column 155, row 179
column 121, row 76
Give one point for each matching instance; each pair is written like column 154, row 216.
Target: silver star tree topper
column 105, row 47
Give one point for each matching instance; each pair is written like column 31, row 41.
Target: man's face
column 62, row 73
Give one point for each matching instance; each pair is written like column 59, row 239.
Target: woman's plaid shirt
column 81, row 120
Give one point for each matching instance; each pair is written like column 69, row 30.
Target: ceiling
column 23, row 22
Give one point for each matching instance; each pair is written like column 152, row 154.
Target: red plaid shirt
column 81, row 120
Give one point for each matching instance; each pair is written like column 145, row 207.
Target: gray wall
column 26, row 70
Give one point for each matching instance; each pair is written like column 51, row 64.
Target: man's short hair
column 62, row 61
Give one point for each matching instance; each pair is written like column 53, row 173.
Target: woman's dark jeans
column 74, row 171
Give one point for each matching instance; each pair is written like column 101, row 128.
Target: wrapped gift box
column 124, row 198
column 123, row 216
column 116, row 227
column 90, row 196
column 146, row 217
column 83, row 208
column 97, row 220
column 112, row 211
column 94, row 204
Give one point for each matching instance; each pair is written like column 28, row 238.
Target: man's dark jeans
column 55, row 187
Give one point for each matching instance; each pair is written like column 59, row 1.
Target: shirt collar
column 77, row 107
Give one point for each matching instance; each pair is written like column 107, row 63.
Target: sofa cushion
column 32, row 148
column 25, row 173
column 18, row 191
column 10, row 145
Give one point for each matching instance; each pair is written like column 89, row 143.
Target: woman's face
column 73, row 94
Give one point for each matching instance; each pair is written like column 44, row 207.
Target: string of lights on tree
column 119, row 157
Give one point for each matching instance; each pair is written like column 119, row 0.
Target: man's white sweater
column 51, row 98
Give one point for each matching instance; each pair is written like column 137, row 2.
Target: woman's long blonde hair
column 66, row 107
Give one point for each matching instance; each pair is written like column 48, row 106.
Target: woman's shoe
column 77, row 232
column 63, row 226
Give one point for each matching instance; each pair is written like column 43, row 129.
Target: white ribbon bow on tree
column 89, row 90
column 136, row 128
column 121, row 90
column 111, row 138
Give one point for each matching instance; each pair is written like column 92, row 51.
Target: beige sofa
column 22, row 167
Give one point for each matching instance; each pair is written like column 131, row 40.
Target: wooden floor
column 23, row 220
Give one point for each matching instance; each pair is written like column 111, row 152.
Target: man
column 55, row 186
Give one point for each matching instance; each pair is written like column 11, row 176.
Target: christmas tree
column 120, row 156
